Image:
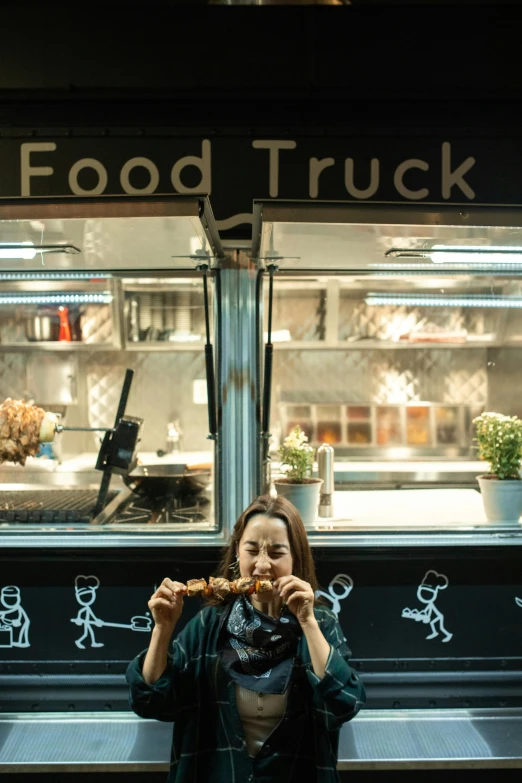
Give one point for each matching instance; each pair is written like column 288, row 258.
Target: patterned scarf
column 256, row 650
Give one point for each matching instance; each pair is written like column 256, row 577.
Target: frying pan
column 176, row 481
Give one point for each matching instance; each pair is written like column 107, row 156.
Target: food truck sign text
column 451, row 176
column 236, row 169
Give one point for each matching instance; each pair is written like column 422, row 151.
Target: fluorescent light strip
column 511, row 266
column 455, row 254
column 442, row 301
column 53, row 275
column 26, row 251
column 490, row 255
column 57, row 299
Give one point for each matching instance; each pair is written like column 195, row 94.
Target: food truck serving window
column 394, row 329
column 107, row 330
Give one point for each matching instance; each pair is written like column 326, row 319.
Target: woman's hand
column 166, row 604
column 299, row 597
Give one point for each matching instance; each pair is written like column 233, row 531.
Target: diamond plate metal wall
column 96, row 324
column 504, row 368
column 430, row 375
column 389, row 322
column 13, row 375
column 162, row 390
column 302, row 312
column 12, row 326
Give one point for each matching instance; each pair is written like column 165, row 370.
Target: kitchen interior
column 391, row 334
column 70, row 335
column 389, row 339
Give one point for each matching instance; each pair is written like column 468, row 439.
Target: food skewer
column 23, row 426
column 221, row 587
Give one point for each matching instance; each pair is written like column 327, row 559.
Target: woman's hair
column 273, row 508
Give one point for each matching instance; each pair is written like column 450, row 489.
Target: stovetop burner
column 151, row 512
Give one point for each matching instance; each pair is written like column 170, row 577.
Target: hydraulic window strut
column 267, row 384
column 209, row 362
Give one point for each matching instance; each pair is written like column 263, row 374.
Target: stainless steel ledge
column 376, row 739
column 362, row 538
column 437, row 739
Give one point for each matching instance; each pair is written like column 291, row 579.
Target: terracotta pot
column 502, row 499
column 305, row 497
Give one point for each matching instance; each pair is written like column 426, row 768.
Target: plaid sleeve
column 339, row 695
column 174, row 691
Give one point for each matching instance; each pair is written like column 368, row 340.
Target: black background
column 478, row 605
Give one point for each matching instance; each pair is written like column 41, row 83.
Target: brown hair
column 275, row 508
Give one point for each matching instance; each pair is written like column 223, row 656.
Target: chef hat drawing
column 434, row 579
column 10, row 590
column 85, row 584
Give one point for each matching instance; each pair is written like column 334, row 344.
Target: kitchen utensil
column 137, row 623
column 65, row 330
column 144, row 311
column 134, row 320
column 175, row 480
column 43, row 327
column 157, row 312
column 169, row 310
column 151, row 335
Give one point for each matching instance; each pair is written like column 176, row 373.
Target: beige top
column 260, row 713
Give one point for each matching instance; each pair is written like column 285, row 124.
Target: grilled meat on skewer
column 221, row 587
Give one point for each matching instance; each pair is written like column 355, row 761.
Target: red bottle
column 65, row 329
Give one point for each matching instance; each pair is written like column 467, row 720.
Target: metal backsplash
column 387, row 376
column 388, row 323
column 162, row 391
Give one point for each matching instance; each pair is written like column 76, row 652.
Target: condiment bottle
column 325, row 468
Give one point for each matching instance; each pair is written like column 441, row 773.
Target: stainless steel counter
column 377, row 516
column 384, row 739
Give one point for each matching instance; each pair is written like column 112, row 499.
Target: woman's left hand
column 299, row 597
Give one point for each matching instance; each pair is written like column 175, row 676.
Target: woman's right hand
column 166, row 604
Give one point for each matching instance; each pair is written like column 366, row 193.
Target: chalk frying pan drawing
column 14, row 620
column 85, row 588
column 339, row 588
column 427, row 592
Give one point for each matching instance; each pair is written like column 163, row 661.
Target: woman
column 257, row 686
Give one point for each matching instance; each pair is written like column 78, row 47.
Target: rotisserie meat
column 20, row 425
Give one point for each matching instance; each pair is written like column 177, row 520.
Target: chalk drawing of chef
column 339, row 588
column 13, row 615
column 518, row 601
column 427, row 593
column 85, row 589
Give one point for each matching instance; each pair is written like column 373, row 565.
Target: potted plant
column 298, row 486
column 499, row 440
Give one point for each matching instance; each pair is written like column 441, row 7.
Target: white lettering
column 144, row 163
column 316, row 167
column 372, row 188
column 451, row 178
column 26, row 170
column 402, row 168
column 274, row 145
column 88, row 163
column 202, row 163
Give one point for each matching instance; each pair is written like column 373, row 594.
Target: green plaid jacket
column 208, row 744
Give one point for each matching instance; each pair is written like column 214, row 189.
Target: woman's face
column 264, row 548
